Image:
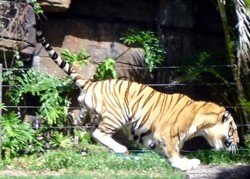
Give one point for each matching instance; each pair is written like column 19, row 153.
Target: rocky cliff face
column 97, row 26
column 184, row 27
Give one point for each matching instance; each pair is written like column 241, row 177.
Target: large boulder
column 98, row 40
column 55, row 5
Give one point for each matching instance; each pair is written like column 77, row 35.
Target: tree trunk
column 232, row 58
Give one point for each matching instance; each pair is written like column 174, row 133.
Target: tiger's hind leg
column 103, row 134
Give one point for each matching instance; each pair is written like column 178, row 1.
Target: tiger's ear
column 226, row 116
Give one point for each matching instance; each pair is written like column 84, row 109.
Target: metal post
column 1, row 90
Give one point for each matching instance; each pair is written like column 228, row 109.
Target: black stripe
column 144, row 134
column 135, row 137
column 78, row 77
column 148, row 98
column 120, row 85
column 145, row 118
column 136, row 104
column 49, row 48
column 63, row 64
column 183, row 107
column 142, row 88
column 54, row 56
column 162, row 107
column 70, row 70
column 112, row 116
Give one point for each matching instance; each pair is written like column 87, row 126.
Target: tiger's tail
column 65, row 66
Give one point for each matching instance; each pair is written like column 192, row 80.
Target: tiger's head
column 224, row 134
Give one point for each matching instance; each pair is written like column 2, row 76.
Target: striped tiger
column 159, row 121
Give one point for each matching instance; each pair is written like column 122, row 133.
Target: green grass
column 98, row 163
column 222, row 157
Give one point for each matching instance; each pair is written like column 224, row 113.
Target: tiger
column 161, row 122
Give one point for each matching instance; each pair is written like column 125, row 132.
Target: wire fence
column 163, row 85
column 73, row 127
column 159, row 84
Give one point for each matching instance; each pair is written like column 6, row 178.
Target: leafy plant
column 84, row 137
column 106, row 70
column 3, row 107
column 61, row 141
column 36, row 6
column 47, row 88
column 78, row 58
column 201, row 66
column 18, row 137
column 154, row 53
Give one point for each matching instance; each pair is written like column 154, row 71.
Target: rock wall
column 97, row 26
column 189, row 27
column 185, row 27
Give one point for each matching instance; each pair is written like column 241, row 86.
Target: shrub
column 154, row 53
column 49, row 89
column 18, row 137
column 78, row 58
column 106, row 70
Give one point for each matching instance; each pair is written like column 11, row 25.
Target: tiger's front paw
column 120, row 149
column 185, row 164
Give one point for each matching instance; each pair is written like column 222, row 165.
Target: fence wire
column 166, row 85
column 78, row 126
column 144, row 67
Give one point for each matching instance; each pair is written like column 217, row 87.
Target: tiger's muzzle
column 231, row 141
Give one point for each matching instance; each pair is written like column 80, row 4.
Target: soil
column 239, row 171
column 219, row 172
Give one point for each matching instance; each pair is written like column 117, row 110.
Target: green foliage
column 3, row 107
column 78, row 58
column 201, row 66
column 18, row 137
column 216, row 157
column 154, row 53
column 48, row 88
column 61, row 141
column 106, row 70
column 206, row 70
column 247, row 3
column 84, row 137
column 36, row 6
column 246, row 106
column 247, row 141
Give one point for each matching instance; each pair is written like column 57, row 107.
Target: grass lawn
column 100, row 163
column 97, row 163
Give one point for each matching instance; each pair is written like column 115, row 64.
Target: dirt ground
column 220, row 172
column 203, row 172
